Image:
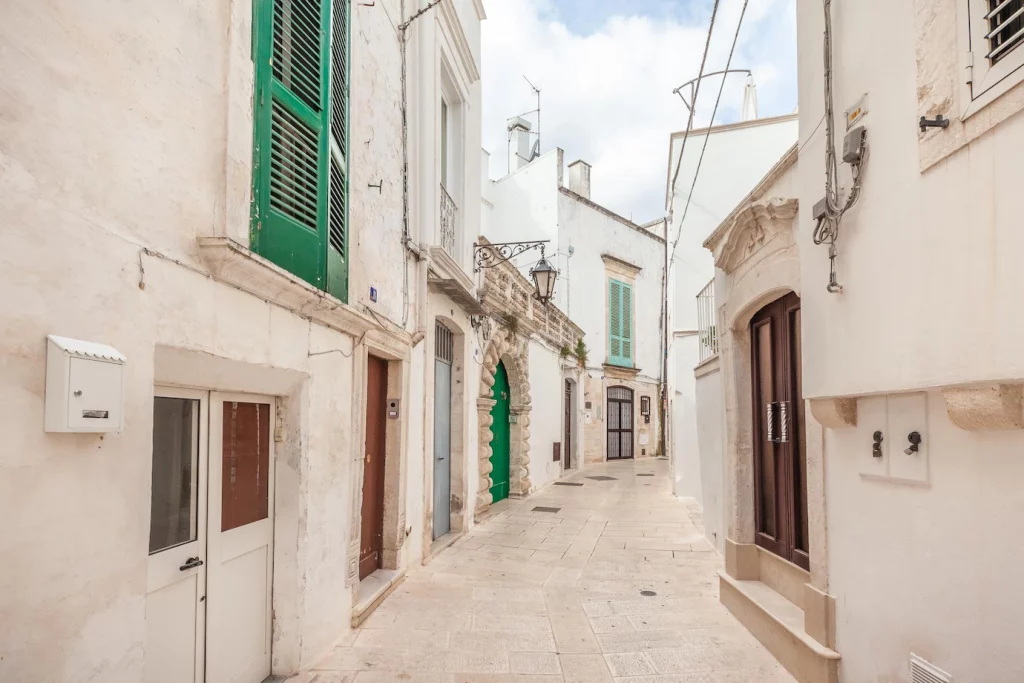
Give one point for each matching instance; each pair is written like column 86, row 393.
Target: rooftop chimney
column 579, row 178
column 749, row 100
column 519, row 143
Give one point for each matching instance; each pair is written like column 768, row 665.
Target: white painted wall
column 736, row 158
column 548, row 395
column 710, row 411
column 929, row 265
column 118, row 146
column 591, row 233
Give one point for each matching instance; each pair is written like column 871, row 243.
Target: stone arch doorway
column 504, row 348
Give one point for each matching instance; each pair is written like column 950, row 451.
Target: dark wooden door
column 620, row 423
column 780, row 459
column 371, row 546
column 568, row 424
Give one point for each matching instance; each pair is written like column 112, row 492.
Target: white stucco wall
column 121, row 137
column 710, row 415
column 548, row 395
column 736, row 159
column 592, row 233
column 928, row 262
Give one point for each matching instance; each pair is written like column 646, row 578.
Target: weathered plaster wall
column 928, row 262
column 118, row 134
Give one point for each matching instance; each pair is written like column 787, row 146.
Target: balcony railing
column 707, row 334
column 449, row 212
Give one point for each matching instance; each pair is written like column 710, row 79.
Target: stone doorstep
column 372, row 590
column 440, row 544
column 779, row 625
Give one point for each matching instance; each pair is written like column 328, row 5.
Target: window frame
column 984, row 82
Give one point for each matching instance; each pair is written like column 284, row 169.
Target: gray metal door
column 442, row 430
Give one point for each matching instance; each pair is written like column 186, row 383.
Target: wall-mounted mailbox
column 84, row 386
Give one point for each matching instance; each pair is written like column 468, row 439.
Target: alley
column 603, row 576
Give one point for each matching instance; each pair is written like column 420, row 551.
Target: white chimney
column 519, row 142
column 579, row 178
column 749, row 100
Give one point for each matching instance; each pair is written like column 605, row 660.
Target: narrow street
column 604, row 576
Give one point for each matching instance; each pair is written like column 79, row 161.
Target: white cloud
column 607, row 96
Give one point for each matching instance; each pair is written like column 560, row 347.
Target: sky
column 607, row 69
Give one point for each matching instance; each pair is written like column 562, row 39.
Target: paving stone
column 538, row 597
column 533, row 663
column 629, row 664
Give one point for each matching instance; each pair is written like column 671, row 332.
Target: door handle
column 783, row 421
column 771, row 421
column 191, row 563
column 367, row 457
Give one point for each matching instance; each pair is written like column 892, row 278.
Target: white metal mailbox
column 84, row 387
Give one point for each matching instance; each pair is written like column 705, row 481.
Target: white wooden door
column 175, row 599
column 240, row 538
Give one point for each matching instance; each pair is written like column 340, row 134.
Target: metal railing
column 707, row 334
column 449, row 213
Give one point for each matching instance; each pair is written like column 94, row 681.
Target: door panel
column 442, row 447
column 175, row 615
column 620, row 423
column 240, row 531
column 780, row 490
column 500, row 435
column 568, row 425
column 371, row 546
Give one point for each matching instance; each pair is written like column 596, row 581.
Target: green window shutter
column 627, row 324
column 299, row 188
column 614, row 321
column 338, row 181
column 620, row 323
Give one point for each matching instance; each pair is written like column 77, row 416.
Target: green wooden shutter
column 627, row 324
column 620, row 323
column 337, row 243
column 293, row 166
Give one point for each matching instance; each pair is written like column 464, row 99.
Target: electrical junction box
column 84, row 386
column 853, row 145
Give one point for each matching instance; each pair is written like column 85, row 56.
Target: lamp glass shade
column 544, row 277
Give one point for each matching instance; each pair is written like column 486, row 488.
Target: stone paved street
column 617, row 585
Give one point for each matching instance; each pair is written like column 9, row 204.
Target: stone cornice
column 750, row 228
column 625, row 265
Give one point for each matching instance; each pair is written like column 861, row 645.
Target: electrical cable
column 707, row 136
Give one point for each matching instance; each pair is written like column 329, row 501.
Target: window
column 300, row 165
column 620, row 323
column 444, row 144
column 996, row 30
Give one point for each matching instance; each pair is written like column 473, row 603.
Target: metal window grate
column 706, row 331
column 1006, row 27
column 449, row 214
column 444, row 343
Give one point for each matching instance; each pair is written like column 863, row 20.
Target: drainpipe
column 417, row 250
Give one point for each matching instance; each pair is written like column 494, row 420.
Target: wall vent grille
column 922, row 671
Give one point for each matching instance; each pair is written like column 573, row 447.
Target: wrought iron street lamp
column 543, row 274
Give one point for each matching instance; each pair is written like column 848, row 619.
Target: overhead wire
column 707, row 136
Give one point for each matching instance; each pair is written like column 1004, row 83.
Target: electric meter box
column 84, row 386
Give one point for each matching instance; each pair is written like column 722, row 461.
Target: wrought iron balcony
column 706, row 328
column 449, row 213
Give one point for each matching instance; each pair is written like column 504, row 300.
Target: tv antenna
column 536, row 145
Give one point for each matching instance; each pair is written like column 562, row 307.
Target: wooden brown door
column 780, row 472
column 371, row 546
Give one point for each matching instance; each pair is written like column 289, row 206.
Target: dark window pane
column 245, row 486
column 172, row 517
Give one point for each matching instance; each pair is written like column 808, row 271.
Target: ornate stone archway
column 506, row 347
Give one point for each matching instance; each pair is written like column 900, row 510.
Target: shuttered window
column 300, row 168
column 620, row 323
column 996, row 29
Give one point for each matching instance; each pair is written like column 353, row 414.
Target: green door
column 500, row 436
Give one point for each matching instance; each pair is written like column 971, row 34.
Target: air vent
column 925, row 672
